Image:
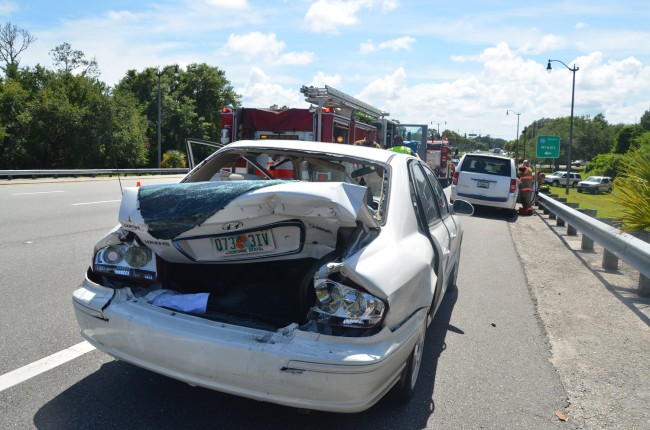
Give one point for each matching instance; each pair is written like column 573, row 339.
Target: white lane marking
column 95, row 203
column 31, row 370
column 37, row 192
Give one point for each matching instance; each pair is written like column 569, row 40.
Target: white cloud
column 548, row 42
column 266, row 48
column 387, row 88
column 254, row 44
column 329, row 16
column 321, row 79
column 260, row 91
column 295, row 58
column 581, row 25
column 478, row 103
column 227, row 4
column 404, row 43
column 7, row 8
column 121, row 16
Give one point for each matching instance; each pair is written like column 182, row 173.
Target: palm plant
column 633, row 187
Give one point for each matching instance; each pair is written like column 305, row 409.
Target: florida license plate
column 244, row 243
column 483, row 184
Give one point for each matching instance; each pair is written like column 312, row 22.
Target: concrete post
column 644, row 283
column 610, row 261
column 560, row 221
column 587, row 244
column 546, row 211
column 571, row 230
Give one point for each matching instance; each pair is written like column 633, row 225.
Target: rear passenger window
column 425, row 194
column 488, row 165
column 441, row 199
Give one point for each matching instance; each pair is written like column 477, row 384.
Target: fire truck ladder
column 331, row 97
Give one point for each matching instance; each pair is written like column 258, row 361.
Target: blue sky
column 462, row 63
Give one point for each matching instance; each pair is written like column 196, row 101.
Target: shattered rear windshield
column 240, row 165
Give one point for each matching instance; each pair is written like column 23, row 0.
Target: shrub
column 173, row 159
column 604, row 165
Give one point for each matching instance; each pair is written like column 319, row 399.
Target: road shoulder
column 598, row 328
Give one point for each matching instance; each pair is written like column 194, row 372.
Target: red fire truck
column 330, row 118
column 439, row 159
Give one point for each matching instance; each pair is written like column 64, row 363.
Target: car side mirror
column 461, row 207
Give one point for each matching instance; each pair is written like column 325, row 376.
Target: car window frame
column 428, row 222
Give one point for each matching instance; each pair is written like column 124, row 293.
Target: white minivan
column 486, row 180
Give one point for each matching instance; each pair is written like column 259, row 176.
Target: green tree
column 645, row 121
column 625, row 138
column 67, row 60
column 128, row 146
column 190, row 103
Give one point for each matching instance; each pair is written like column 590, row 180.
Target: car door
column 453, row 228
column 433, row 224
column 605, row 185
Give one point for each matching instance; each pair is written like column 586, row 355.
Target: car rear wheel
column 405, row 387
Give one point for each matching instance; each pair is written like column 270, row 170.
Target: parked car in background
column 268, row 272
column 578, row 163
column 486, row 180
column 560, row 178
column 595, row 184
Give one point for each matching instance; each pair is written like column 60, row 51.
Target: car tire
column 403, row 390
column 556, row 183
column 579, row 190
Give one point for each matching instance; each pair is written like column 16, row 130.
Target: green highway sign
column 548, row 146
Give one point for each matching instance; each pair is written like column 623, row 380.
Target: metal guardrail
column 55, row 173
column 628, row 248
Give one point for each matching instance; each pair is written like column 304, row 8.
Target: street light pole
column 159, row 74
column 442, row 122
column 573, row 92
column 517, row 144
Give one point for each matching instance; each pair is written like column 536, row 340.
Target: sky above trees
column 463, row 63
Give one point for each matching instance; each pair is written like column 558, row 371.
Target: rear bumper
column 508, row 202
column 288, row 367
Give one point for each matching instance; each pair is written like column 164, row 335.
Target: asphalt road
column 488, row 361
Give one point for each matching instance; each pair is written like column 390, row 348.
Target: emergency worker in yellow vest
column 525, row 188
column 402, row 150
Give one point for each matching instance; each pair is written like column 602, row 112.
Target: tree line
column 65, row 117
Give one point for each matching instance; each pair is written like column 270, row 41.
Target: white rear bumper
column 288, row 367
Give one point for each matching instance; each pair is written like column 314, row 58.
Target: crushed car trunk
column 269, row 288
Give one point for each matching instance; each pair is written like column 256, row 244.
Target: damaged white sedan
column 299, row 273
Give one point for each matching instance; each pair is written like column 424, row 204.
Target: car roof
column 501, row 157
column 381, row 155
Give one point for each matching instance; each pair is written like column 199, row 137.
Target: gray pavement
column 597, row 326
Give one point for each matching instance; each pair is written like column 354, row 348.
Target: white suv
column 486, row 180
column 559, row 178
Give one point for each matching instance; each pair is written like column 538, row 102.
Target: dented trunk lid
column 243, row 220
